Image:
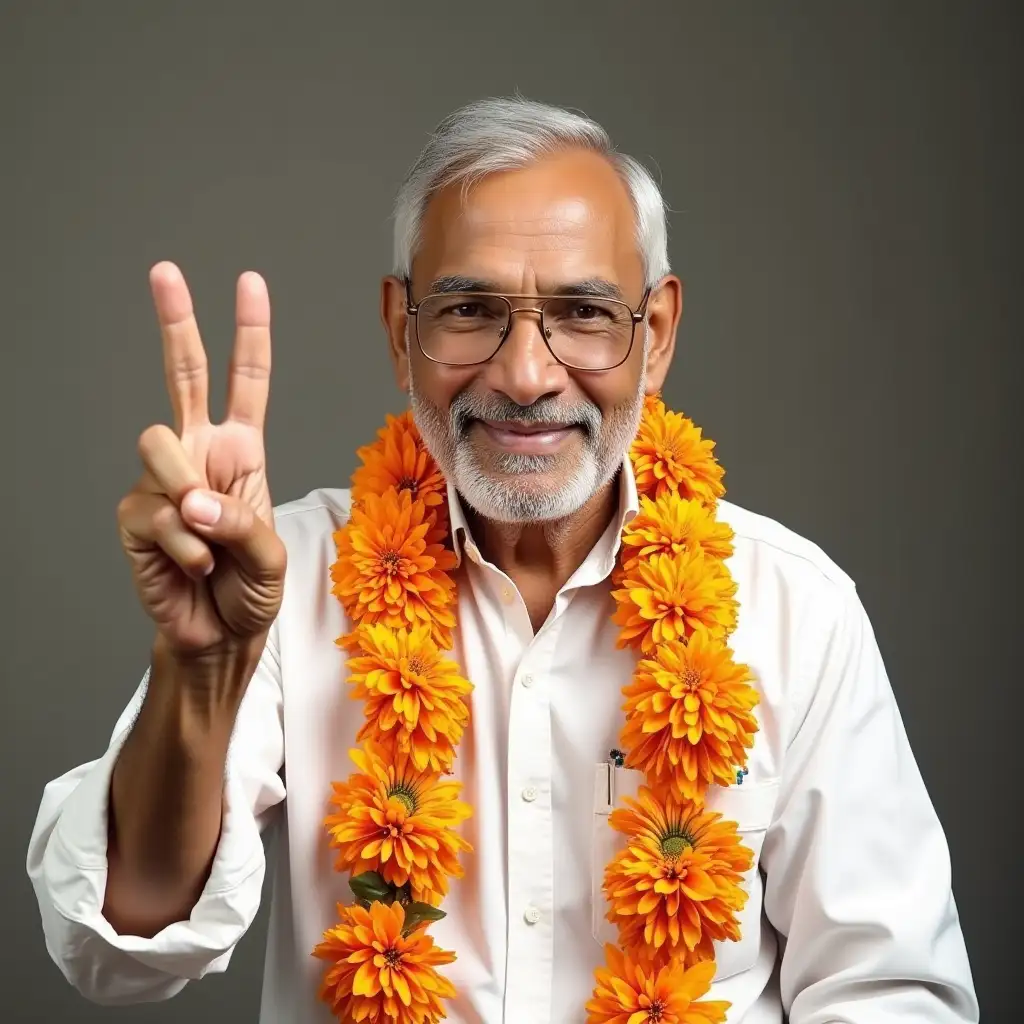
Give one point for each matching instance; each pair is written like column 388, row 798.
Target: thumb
column 233, row 524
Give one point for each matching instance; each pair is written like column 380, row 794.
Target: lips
column 526, row 438
column 525, row 428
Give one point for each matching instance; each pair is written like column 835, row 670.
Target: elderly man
column 565, row 735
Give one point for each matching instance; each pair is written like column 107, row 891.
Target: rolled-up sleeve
column 857, row 869
column 67, row 862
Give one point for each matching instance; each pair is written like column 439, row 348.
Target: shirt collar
column 601, row 559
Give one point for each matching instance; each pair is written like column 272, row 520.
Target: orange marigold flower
column 391, row 570
column 677, row 885
column 669, row 597
column 669, row 455
column 669, row 525
column 377, row 974
column 415, row 698
column 689, row 719
column 654, row 405
column 631, row 990
column 399, row 821
column 399, row 459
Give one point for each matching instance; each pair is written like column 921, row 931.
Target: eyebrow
column 591, row 287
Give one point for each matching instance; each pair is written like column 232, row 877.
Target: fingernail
column 202, row 508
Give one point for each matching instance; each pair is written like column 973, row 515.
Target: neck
column 541, row 557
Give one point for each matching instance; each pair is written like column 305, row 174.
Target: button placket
column 530, row 957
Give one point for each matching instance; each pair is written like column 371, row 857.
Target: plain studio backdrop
column 845, row 190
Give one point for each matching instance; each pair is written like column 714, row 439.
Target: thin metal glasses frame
column 636, row 316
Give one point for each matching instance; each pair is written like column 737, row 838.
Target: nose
column 524, row 368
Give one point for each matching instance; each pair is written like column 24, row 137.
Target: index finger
column 185, row 364
column 249, row 376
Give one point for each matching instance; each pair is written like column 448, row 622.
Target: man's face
column 524, row 437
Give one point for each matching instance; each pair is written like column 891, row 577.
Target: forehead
column 563, row 218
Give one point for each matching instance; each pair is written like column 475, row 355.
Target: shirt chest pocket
column 750, row 805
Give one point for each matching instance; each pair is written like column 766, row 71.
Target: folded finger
column 167, row 463
column 153, row 520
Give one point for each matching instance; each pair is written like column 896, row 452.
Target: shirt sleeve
column 67, row 861
column 857, row 869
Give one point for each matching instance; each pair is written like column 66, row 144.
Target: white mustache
column 465, row 408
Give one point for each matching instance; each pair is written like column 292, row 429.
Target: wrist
column 201, row 691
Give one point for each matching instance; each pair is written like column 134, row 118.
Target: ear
column 393, row 315
column 664, row 309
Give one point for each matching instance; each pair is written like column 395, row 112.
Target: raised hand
column 198, row 526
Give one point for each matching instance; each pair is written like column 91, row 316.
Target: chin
column 527, row 496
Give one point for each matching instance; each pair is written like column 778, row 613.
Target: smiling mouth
column 527, row 438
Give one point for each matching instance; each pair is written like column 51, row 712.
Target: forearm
column 166, row 794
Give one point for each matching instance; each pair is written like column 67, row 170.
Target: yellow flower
column 399, row 459
column 377, row 974
column 668, row 597
column 669, row 455
column 677, row 885
column 390, row 570
column 414, row 697
column 689, row 718
column 398, row 821
column 631, row 990
column 669, row 525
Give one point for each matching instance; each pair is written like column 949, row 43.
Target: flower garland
column 675, row 887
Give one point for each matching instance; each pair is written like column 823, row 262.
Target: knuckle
column 250, row 371
column 125, row 507
column 273, row 561
column 195, row 562
column 277, row 560
column 165, row 519
column 151, row 440
column 188, row 369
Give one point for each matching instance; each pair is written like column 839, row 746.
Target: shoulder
column 771, row 555
column 307, row 524
column 323, row 508
column 800, row 619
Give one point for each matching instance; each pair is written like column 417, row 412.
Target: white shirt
column 850, row 917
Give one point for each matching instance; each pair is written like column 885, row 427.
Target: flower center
column 656, row 1011
column 668, row 451
column 393, row 957
column 408, row 483
column 675, row 844
column 690, row 679
column 404, row 793
column 389, row 561
column 416, row 666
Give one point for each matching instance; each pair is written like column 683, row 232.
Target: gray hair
column 500, row 134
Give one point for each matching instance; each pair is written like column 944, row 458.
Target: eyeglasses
column 583, row 332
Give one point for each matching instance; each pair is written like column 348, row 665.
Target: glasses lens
column 461, row 327
column 589, row 333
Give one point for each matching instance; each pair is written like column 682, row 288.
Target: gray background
column 845, row 181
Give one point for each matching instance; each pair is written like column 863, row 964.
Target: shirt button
column 529, row 794
column 531, row 915
column 506, row 595
column 527, row 680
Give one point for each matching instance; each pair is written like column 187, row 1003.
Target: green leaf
column 370, row 886
column 418, row 913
